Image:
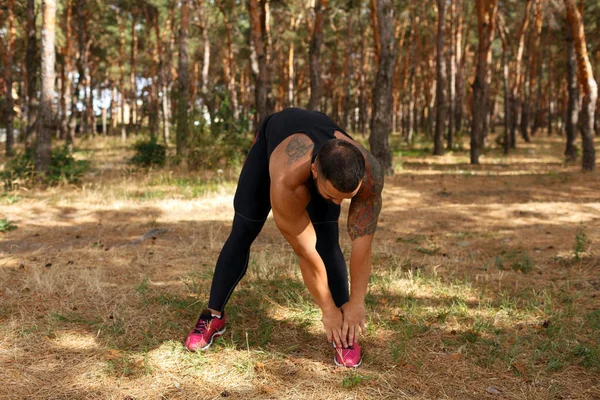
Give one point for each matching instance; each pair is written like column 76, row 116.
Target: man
column 302, row 165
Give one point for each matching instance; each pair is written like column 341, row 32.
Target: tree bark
column 486, row 21
column 573, row 101
column 8, row 74
column 441, row 83
column 183, row 82
column 43, row 145
column 229, row 63
column 31, row 66
column 121, row 23
column 66, row 69
column 458, row 106
column 257, row 25
column 314, row 55
column 452, row 78
column 506, row 81
column 381, row 120
column 133, row 111
column 588, row 84
column 518, row 77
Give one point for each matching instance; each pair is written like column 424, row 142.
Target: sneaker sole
column 342, row 365
column 215, row 335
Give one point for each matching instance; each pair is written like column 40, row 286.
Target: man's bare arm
column 362, row 223
column 289, row 171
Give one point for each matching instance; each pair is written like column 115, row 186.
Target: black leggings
column 252, row 205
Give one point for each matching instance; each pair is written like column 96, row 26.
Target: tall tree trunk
column 486, row 21
column 530, row 83
column 43, row 151
column 588, row 84
column 412, row 74
column 31, row 65
column 257, row 24
column 205, row 63
column 229, row 63
column 573, row 102
column 183, row 83
column 66, row 69
column 506, row 81
column 460, row 57
column 518, row 76
column 290, row 69
column 8, row 73
column 381, row 120
column 364, row 62
column 314, row 55
column 452, row 77
column 121, row 23
column 441, row 83
column 82, row 63
column 133, row 111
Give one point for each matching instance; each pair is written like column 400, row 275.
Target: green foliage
column 352, row 380
column 64, row 168
column 6, row 225
column 581, row 243
column 19, row 171
column 517, row 259
column 149, row 153
column 223, row 143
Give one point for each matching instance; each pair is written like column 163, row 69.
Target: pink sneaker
column 349, row 357
column 206, row 329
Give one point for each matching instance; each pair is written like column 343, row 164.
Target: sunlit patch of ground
column 485, row 284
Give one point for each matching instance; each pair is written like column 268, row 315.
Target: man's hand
column 332, row 321
column 354, row 322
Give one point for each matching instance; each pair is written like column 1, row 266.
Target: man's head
column 338, row 170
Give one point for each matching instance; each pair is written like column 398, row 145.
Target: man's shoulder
column 290, row 161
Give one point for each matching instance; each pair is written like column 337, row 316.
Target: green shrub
column 20, row 169
column 65, row 168
column 149, row 153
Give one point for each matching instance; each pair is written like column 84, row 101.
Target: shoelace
column 201, row 325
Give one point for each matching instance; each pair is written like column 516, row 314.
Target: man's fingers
column 351, row 337
column 336, row 338
column 345, row 328
column 329, row 336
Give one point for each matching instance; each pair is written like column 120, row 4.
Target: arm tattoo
column 366, row 205
column 297, row 148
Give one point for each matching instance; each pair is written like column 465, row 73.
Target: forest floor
column 485, row 285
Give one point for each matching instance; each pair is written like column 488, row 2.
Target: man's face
column 328, row 192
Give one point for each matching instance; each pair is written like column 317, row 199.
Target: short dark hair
column 342, row 164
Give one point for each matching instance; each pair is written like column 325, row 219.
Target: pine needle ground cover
column 485, row 284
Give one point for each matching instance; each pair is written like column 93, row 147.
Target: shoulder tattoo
column 365, row 207
column 297, row 148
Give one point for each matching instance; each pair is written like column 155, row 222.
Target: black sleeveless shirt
column 316, row 125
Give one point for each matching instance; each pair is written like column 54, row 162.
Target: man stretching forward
column 302, row 165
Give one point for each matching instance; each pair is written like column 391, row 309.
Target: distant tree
column 441, row 84
column 314, row 55
column 8, row 77
column 486, row 22
column 381, row 119
column 43, row 144
column 258, row 36
column 573, row 105
column 31, row 67
column 183, row 81
column 588, row 84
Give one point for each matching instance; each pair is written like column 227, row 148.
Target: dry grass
column 485, row 285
